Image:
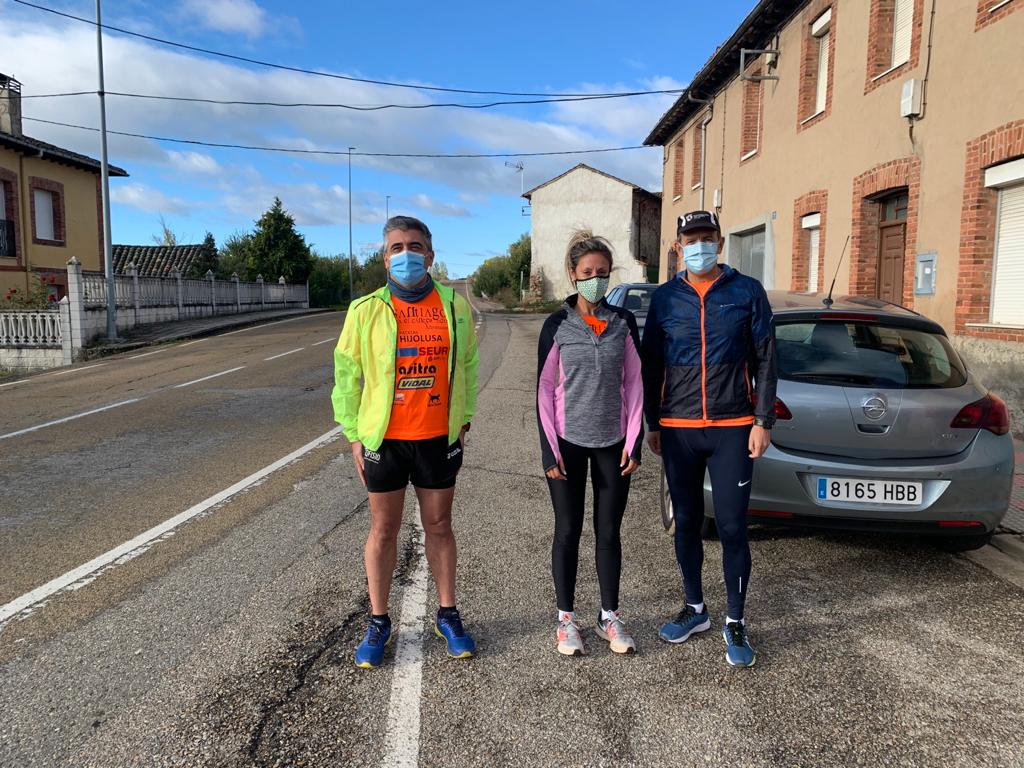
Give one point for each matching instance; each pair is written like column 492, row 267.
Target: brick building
column 898, row 124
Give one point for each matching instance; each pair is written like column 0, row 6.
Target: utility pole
column 108, row 249
column 387, row 208
column 351, row 294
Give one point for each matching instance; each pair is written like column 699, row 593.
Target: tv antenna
column 518, row 166
column 827, row 301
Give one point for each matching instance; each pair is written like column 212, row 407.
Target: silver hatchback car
column 880, row 427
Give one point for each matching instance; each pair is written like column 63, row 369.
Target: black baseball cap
column 688, row 222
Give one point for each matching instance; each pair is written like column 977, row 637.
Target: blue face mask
column 700, row 257
column 407, row 268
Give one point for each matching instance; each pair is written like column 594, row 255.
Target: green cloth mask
column 593, row 289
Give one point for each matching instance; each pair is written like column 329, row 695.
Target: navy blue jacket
column 701, row 358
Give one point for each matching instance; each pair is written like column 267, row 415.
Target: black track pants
column 724, row 452
column 611, row 491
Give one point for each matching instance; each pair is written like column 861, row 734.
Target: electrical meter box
column 924, row 274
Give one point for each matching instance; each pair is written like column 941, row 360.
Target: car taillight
column 988, row 413
column 782, row 412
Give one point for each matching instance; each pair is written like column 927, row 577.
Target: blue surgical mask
column 408, row 268
column 700, row 257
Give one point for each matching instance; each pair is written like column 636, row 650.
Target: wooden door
column 892, row 244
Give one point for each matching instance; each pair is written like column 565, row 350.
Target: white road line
column 267, row 325
column 318, row 343
column 147, row 354
column 289, row 352
column 29, row 599
column 69, row 418
column 402, row 735
column 76, row 370
column 12, row 383
column 207, row 378
column 190, row 343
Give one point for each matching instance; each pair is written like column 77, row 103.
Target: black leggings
column 611, row 491
column 724, row 452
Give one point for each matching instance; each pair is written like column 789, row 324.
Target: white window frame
column 38, row 195
column 902, row 36
column 821, row 31
column 812, row 223
column 1002, row 178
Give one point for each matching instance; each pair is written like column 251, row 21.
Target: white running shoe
column 570, row 642
column 614, row 631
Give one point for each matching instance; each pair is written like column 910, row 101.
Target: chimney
column 10, row 105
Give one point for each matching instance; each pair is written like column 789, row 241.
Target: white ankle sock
column 733, row 621
column 699, row 607
column 607, row 615
column 566, row 615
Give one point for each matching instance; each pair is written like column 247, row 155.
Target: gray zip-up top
column 589, row 386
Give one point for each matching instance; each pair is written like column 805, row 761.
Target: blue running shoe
column 686, row 623
column 737, row 648
column 370, row 653
column 448, row 627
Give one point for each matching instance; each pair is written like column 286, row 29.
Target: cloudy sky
column 472, row 205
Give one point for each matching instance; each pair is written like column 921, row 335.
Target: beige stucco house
column 626, row 215
column 895, row 124
column 50, row 207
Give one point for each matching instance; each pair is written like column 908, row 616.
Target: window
column 902, row 31
column 7, row 241
column 820, row 32
column 678, row 162
column 748, row 253
column 811, row 224
column 866, row 354
column 1008, row 270
column 43, row 202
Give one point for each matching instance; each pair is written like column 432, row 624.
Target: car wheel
column 964, row 543
column 708, row 529
column 668, row 519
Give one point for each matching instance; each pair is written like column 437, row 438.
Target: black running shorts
column 430, row 464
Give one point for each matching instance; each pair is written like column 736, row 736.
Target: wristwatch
column 760, row 422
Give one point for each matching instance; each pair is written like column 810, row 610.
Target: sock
column 445, row 610
column 698, row 607
column 382, row 620
column 566, row 615
column 735, row 621
column 607, row 615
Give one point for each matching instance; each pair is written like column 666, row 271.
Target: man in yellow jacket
column 405, row 393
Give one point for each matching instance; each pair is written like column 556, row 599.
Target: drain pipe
column 710, row 104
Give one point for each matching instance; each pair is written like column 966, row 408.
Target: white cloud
column 430, row 205
column 193, row 162
column 145, row 198
column 244, row 17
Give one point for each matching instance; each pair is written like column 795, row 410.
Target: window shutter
column 821, row 93
column 1008, row 285
column 812, row 260
column 903, row 26
column 44, row 214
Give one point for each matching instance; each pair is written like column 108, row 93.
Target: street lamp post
column 387, row 208
column 108, row 250
column 351, row 293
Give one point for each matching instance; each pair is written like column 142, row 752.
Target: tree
column 276, row 248
column 372, row 274
column 166, row 236
column 234, row 258
column 207, row 259
column 439, row 270
column 503, row 273
column 328, row 282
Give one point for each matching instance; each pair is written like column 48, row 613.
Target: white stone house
column 626, row 215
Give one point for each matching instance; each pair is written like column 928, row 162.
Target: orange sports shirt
column 420, row 408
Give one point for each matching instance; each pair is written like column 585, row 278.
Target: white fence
column 44, row 339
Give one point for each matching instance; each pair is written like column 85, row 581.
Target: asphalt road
column 229, row 643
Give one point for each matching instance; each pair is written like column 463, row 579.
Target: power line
column 300, row 70
column 336, row 152
column 360, row 108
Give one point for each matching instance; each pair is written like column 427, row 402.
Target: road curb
column 94, row 353
column 1009, row 544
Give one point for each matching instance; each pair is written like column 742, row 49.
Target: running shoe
column 737, row 647
column 614, row 631
column 448, row 627
column 570, row 642
column 370, row 653
column 686, row 623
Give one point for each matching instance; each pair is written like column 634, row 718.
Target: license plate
column 869, row 491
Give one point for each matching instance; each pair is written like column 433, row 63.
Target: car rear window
column 637, row 299
column 866, row 354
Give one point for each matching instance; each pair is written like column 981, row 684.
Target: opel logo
column 874, row 407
